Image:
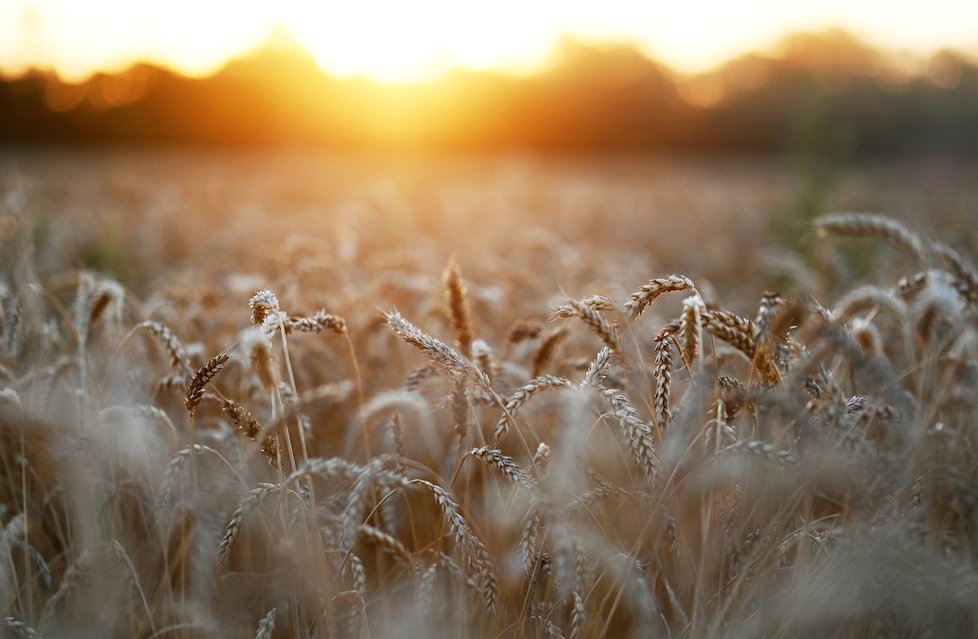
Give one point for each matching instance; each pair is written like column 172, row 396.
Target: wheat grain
column 548, row 347
column 663, row 373
column 602, row 491
column 385, row 541
column 908, row 287
column 441, row 355
column 510, row 469
column 520, row 396
column 770, row 304
column 637, row 433
column 171, row 473
column 870, row 297
column 232, row 530
column 319, row 322
column 594, row 302
column 458, row 308
column 266, row 627
column 647, row 293
column 528, row 537
column 606, row 332
column 460, row 409
column 783, row 457
column 263, row 304
column 578, row 615
column 20, row 628
column 482, row 354
column 733, row 329
column 870, row 225
column 200, row 379
column 597, row 369
column 174, row 347
column 691, row 329
column 474, row 552
column 966, row 278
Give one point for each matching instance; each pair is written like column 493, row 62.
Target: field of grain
column 301, row 395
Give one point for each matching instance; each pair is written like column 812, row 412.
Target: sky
column 412, row 40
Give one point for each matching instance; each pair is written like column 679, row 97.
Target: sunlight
column 420, row 40
column 79, row 38
column 402, row 42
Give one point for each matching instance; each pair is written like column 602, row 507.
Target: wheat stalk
column 473, row 551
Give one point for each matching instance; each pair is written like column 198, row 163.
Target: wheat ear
column 458, row 309
column 203, row 376
column 645, row 295
column 871, row 225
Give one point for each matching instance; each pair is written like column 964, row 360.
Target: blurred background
column 840, row 80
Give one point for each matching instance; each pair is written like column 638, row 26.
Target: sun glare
column 404, row 42
column 410, row 41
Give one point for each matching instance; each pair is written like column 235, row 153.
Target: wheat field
column 309, row 397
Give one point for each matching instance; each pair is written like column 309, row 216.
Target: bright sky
column 404, row 40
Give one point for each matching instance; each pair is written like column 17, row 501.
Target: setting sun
column 417, row 41
column 402, row 42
